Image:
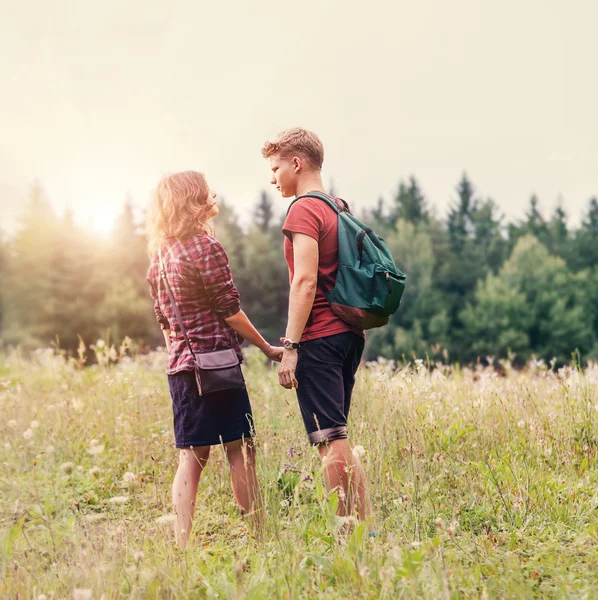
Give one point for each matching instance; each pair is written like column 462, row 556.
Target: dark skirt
column 211, row 419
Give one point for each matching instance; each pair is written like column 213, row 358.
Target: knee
column 241, row 451
column 336, row 449
column 194, row 459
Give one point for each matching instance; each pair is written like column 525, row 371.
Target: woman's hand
column 274, row 352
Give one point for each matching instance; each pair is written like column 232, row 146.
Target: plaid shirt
column 202, row 284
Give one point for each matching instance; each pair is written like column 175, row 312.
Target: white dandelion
column 28, row 433
column 34, row 424
column 165, row 519
column 82, row 594
column 12, row 424
column 358, row 451
column 67, row 467
column 129, row 477
column 94, row 517
column 95, row 448
column 119, row 500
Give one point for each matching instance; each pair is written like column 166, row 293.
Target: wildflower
column 95, row 449
column 438, row 522
column 67, row 467
column 358, row 451
column 42, row 597
column 95, row 472
column 364, row 572
column 165, row 519
column 350, row 520
column 387, row 574
column 100, row 343
column 34, row 424
column 12, row 424
column 82, row 594
column 119, row 500
column 28, row 434
column 451, row 530
column 138, row 556
column 521, row 423
column 129, row 477
column 92, row 518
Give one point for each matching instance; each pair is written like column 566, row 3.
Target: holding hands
column 274, row 353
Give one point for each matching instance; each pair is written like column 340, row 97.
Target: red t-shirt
column 315, row 218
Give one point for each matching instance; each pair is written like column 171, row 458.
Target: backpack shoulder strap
column 323, row 197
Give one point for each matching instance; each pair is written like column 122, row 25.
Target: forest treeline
column 478, row 286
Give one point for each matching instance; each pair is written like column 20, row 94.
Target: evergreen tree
column 460, row 224
column 409, row 204
column 586, row 239
column 264, row 212
column 30, row 300
column 559, row 233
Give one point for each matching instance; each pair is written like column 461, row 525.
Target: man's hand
column 286, row 371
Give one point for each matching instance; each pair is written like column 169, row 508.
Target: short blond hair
column 180, row 209
column 297, row 141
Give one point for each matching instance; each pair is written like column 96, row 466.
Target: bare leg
column 243, row 478
column 184, row 490
column 343, row 472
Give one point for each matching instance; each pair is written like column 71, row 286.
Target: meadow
column 483, row 482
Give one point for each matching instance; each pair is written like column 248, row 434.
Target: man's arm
column 301, row 300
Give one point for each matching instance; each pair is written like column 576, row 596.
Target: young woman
column 196, row 267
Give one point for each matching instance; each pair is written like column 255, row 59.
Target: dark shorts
column 211, row 419
column 326, row 376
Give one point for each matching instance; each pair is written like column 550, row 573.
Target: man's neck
column 310, row 184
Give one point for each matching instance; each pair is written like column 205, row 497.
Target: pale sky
column 101, row 98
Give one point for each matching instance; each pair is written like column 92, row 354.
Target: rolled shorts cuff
column 323, row 436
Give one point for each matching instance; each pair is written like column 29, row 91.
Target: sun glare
column 102, row 223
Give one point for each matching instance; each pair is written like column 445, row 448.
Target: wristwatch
column 289, row 344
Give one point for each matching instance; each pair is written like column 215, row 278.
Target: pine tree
column 535, row 223
column 460, row 224
column 586, row 239
column 559, row 233
column 264, row 212
column 409, row 204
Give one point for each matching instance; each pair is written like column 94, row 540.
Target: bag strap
column 324, row 198
column 172, row 301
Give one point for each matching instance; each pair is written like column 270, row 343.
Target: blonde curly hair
column 180, row 208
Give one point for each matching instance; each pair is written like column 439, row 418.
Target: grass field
column 483, row 486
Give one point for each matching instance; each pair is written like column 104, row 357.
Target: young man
column 322, row 352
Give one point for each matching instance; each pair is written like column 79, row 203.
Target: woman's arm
column 166, row 333
column 243, row 326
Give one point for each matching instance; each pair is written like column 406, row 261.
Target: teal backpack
column 369, row 286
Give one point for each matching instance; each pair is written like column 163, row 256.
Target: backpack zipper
column 388, row 282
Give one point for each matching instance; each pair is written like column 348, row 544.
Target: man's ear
column 296, row 164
